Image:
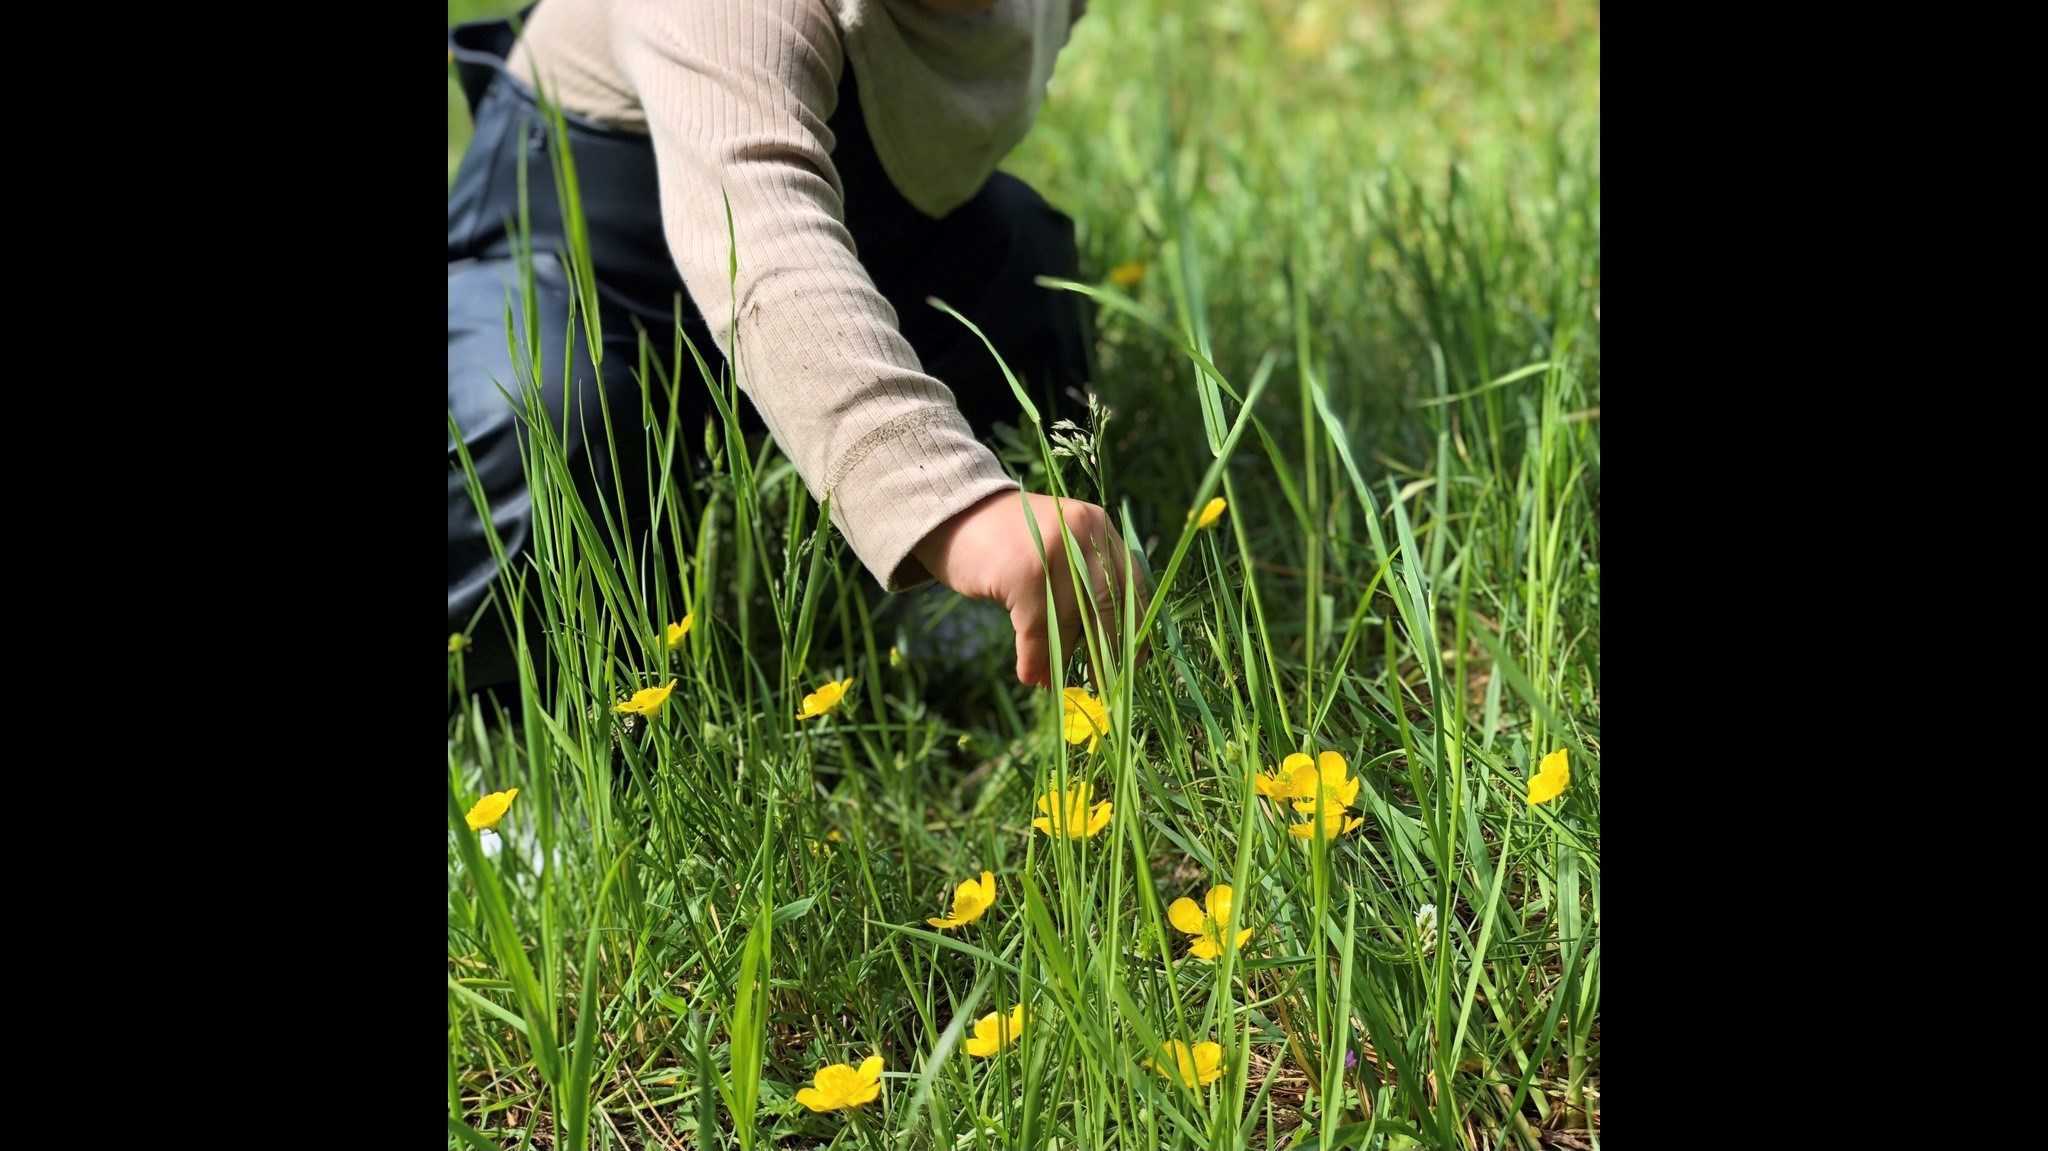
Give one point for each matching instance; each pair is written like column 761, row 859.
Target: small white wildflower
column 1425, row 928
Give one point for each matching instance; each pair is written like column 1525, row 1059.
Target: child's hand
column 986, row 553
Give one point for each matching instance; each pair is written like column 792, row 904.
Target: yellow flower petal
column 1083, row 719
column 1219, row 904
column 1186, row 916
column 1333, row 824
column 1211, row 512
column 1301, row 779
column 1329, row 781
column 863, row 1095
column 815, row 1099
column 1210, row 946
column 971, row 899
column 1201, row 1064
column 1074, row 819
column 968, row 900
column 824, row 699
column 1127, row 275
column 1346, row 795
column 680, row 630
column 838, row 1086
column 490, row 809
column 1272, row 786
column 647, row 701
column 1551, row 778
column 993, row 1032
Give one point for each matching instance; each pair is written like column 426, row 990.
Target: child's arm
column 737, row 94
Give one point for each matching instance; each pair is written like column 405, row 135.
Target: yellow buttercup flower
column 1206, row 926
column 490, row 809
column 1127, row 275
column 680, row 630
column 838, row 1086
column 825, row 698
column 1083, row 718
column 1211, row 512
column 1551, row 777
column 993, row 1032
column 647, row 701
column 1329, row 775
column 1298, row 776
column 1199, row 1065
column 971, row 900
column 458, row 643
column 1074, row 819
column 1325, row 782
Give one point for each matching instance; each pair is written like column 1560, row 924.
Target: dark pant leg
column 982, row 259
column 479, row 364
column 637, row 285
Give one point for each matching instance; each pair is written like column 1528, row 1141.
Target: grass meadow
column 1344, row 260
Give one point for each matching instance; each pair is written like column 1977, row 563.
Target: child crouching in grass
column 855, row 142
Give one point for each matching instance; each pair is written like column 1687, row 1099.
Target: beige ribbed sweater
column 735, row 95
